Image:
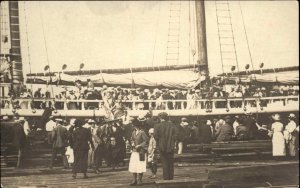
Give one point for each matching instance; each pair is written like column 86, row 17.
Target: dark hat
column 227, row 118
column 79, row 123
column 163, row 115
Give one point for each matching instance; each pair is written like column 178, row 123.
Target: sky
column 121, row 34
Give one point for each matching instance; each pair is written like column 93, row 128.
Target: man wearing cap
column 165, row 135
column 50, row 125
column 60, row 139
column 19, row 139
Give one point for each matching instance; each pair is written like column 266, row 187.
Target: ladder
column 226, row 36
column 172, row 57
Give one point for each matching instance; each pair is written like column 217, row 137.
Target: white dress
column 278, row 141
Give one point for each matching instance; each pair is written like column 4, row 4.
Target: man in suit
column 60, row 140
column 19, row 139
column 207, row 132
column 165, row 135
column 225, row 132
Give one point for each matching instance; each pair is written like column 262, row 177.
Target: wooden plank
column 186, row 182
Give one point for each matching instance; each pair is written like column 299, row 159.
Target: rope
column 189, row 50
column 219, row 37
column 28, row 49
column 157, row 20
column 45, row 42
column 247, row 38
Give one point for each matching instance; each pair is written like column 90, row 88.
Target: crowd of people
column 118, row 96
column 88, row 143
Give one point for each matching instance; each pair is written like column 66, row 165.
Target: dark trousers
column 61, row 151
column 167, row 160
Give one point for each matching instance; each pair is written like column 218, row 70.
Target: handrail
column 173, row 100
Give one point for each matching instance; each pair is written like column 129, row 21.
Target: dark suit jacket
column 206, row 134
column 59, row 136
column 19, row 137
column 81, row 139
column 165, row 135
column 140, row 139
column 224, row 133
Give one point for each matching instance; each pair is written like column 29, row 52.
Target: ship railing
column 202, row 104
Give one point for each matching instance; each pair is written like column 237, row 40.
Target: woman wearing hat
column 81, row 139
column 151, row 154
column 137, row 164
column 278, row 139
column 290, row 135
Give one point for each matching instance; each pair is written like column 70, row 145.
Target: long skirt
column 278, row 144
column 70, row 154
column 80, row 161
column 135, row 165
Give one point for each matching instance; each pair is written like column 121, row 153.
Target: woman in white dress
column 278, row 141
column 138, row 159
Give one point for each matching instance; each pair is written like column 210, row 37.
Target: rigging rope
column 247, row 38
column 157, row 21
column 28, row 50
column 189, row 51
column 45, row 42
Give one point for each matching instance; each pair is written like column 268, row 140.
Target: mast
column 201, row 36
column 15, row 50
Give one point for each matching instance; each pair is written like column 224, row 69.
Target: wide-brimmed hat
column 184, row 119
column 208, row 122
column 72, row 121
column 276, row 117
column 90, row 121
column 59, row 120
column 5, row 118
column 292, row 116
column 151, row 131
column 163, row 115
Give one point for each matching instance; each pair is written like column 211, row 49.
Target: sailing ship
column 187, row 76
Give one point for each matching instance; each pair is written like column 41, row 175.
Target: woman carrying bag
column 138, row 159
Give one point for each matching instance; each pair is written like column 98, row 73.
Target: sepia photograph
column 154, row 94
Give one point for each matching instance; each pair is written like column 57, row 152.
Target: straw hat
column 90, row 121
column 151, row 131
column 184, row 119
column 59, row 120
column 276, row 117
column 208, row 122
column 292, row 116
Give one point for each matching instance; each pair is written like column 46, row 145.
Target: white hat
column 197, row 90
column 59, row 119
column 20, row 119
column 151, row 131
column 208, row 122
column 292, row 115
column 5, row 118
column 91, row 121
column 276, row 117
column 72, row 121
column 184, row 123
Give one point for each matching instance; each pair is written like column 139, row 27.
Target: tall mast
column 201, row 36
column 15, row 50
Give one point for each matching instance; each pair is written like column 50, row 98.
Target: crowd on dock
column 88, row 143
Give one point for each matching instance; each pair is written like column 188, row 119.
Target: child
column 151, row 154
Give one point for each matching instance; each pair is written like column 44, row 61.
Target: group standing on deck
column 87, row 144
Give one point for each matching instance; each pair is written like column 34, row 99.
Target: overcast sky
column 123, row 34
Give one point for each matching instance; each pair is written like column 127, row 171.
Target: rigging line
column 28, row 52
column 189, row 51
column 219, row 37
column 45, row 42
column 246, row 37
column 157, row 20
